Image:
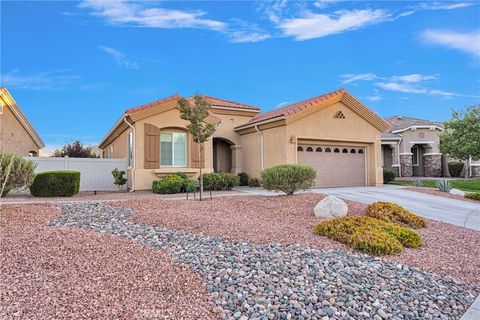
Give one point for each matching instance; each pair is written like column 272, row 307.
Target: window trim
column 185, row 165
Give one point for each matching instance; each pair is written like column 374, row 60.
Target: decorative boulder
column 331, row 207
column 457, row 192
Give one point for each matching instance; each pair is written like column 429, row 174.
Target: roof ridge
column 150, row 104
column 231, row 101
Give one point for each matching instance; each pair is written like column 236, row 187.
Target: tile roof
column 294, row 107
column 389, row 135
column 212, row 100
column 401, row 122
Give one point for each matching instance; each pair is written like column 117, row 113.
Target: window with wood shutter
column 152, row 146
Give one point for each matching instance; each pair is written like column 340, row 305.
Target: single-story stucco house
column 16, row 133
column 334, row 133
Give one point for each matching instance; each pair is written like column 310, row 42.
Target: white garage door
column 336, row 166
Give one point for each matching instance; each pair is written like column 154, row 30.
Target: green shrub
column 288, row 178
column 172, row 183
column 388, row 175
column 61, row 183
column 369, row 235
column 191, row 186
column 118, row 178
column 243, row 178
column 394, row 213
column 15, row 172
column 473, row 196
column 254, row 182
column 455, row 168
column 220, row 181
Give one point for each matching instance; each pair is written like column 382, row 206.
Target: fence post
column 65, row 163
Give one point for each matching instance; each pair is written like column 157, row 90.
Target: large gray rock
column 331, row 207
column 457, row 192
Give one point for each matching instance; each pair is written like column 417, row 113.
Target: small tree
column 118, row 178
column 461, row 138
column 74, row 150
column 15, row 172
column 198, row 128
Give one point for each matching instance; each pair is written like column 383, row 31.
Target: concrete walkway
column 473, row 313
column 457, row 212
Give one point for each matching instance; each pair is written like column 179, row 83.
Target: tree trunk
column 201, row 167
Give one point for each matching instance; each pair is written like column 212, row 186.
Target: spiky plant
column 444, row 185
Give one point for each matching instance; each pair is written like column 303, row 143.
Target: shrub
column 288, row 178
column 444, row 185
column 254, row 182
column 191, row 186
column 220, row 181
column 388, row 175
column 172, row 183
column 61, row 183
column 15, row 172
column 118, row 178
column 455, row 169
column 473, row 196
column 418, row 183
column 369, row 235
column 394, row 213
column 243, row 178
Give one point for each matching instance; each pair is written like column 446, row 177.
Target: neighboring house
column 334, row 133
column 411, row 147
column 16, row 133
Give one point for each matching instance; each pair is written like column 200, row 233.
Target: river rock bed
column 249, row 281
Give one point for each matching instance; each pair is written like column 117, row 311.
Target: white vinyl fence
column 95, row 173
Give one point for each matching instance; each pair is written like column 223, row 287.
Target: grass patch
column 394, row 213
column 473, row 196
column 369, row 235
column 470, row 185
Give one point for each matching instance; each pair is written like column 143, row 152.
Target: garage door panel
column 335, row 168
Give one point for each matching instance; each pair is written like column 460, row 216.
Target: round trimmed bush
column 61, row 183
column 388, row 175
column 243, row 178
column 172, row 183
column 455, row 168
column 254, row 182
column 374, row 242
column 394, row 213
column 288, row 178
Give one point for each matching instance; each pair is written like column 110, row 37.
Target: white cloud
column 246, row 36
column 325, row 3
column 409, row 88
column 282, row 104
column 119, row 58
column 444, row 5
column 138, row 14
column 414, row 78
column 374, row 98
column 312, row 25
column 466, row 42
column 349, row 77
column 50, row 80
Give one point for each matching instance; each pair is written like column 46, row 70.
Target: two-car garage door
column 336, row 166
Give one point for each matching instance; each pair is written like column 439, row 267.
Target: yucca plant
column 444, row 185
column 418, row 183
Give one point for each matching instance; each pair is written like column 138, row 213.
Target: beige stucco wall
column 317, row 124
column 13, row 136
column 430, row 138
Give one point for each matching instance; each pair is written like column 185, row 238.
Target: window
column 336, row 150
column 130, row 149
column 309, row 149
column 299, row 148
column 415, row 156
column 110, row 152
column 344, row 151
column 353, row 151
column 328, row 150
column 173, row 149
column 319, row 149
column 360, row 150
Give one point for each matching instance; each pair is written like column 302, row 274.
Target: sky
column 74, row 67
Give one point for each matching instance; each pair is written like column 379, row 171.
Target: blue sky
column 74, row 67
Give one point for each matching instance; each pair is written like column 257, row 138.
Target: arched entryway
column 222, row 155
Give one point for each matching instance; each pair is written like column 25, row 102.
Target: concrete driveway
column 458, row 212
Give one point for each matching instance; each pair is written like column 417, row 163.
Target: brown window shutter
column 152, row 146
column 196, row 155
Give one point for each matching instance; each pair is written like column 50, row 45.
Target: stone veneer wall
column 475, row 171
column 396, row 170
column 406, row 165
column 432, row 164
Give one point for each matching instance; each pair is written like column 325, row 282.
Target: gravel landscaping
column 65, row 273
column 448, row 249
column 283, row 281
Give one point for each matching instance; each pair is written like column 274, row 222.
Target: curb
column 473, row 313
